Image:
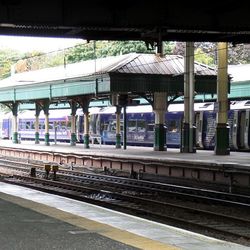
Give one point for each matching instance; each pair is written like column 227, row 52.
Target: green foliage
column 102, row 49
column 237, row 54
column 36, row 60
column 7, row 57
column 202, row 57
column 205, row 52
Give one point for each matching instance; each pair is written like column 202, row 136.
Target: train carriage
column 140, row 125
column 59, row 125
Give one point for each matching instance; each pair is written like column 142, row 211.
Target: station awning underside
column 131, row 73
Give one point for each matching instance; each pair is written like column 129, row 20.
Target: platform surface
column 241, row 159
column 34, row 220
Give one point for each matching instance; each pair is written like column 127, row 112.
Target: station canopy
column 131, row 73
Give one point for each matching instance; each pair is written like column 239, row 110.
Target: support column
column 46, row 134
column 46, row 104
column 38, row 110
column 118, row 127
column 84, row 103
column 14, row 122
column 86, row 129
column 188, row 130
column 222, row 128
column 125, row 127
column 160, row 104
column 73, row 123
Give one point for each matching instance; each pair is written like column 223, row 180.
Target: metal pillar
column 118, row 127
column 84, row 104
column 14, row 122
column 222, row 128
column 46, row 134
column 38, row 110
column 124, row 127
column 188, row 129
column 45, row 107
column 73, row 123
column 86, row 129
column 160, row 104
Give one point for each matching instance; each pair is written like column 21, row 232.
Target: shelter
column 136, row 74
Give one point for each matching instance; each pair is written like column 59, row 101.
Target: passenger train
column 140, row 125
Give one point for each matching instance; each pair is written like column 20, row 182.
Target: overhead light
column 7, row 25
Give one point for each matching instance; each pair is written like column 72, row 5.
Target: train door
column 131, row 129
column 80, row 128
column 235, row 129
column 209, row 129
column 199, row 126
column 246, row 133
column 242, row 126
column 173, row 122
column 98, row 124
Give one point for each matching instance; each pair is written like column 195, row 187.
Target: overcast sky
column 26, row 44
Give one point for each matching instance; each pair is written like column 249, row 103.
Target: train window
column 141, row 125
column 22, row 124
column 132, row 125
column 150, row 127
column 104, row 126
column 62, row 125
column 112, row 126
column 28, row 125
column 172, row 126
column 69, row 124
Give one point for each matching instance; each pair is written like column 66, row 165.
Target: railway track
column 162, row 189
column 217, row 214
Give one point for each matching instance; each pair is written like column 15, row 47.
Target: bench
column 97, row 137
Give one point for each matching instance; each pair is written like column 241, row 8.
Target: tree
column 7, row 58
column 204, row 52
column 100, row 49
column 37, row 60
column 202, row 57
column 237, row 53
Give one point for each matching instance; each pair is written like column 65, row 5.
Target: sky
column 28, row 44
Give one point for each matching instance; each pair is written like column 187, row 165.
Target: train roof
column 240, row 104
column 53, row 113
column 177, row 107
column 148, row 108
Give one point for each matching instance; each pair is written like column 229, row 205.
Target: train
column 140, row 125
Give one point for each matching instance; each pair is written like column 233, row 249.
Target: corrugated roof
column 129, row 63
column 168, row 65
column 76, row 70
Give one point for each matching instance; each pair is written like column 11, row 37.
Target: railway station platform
column 201, row 169
column 31, row 219
column 141, row 153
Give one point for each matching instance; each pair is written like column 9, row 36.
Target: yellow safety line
column 100, row 228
